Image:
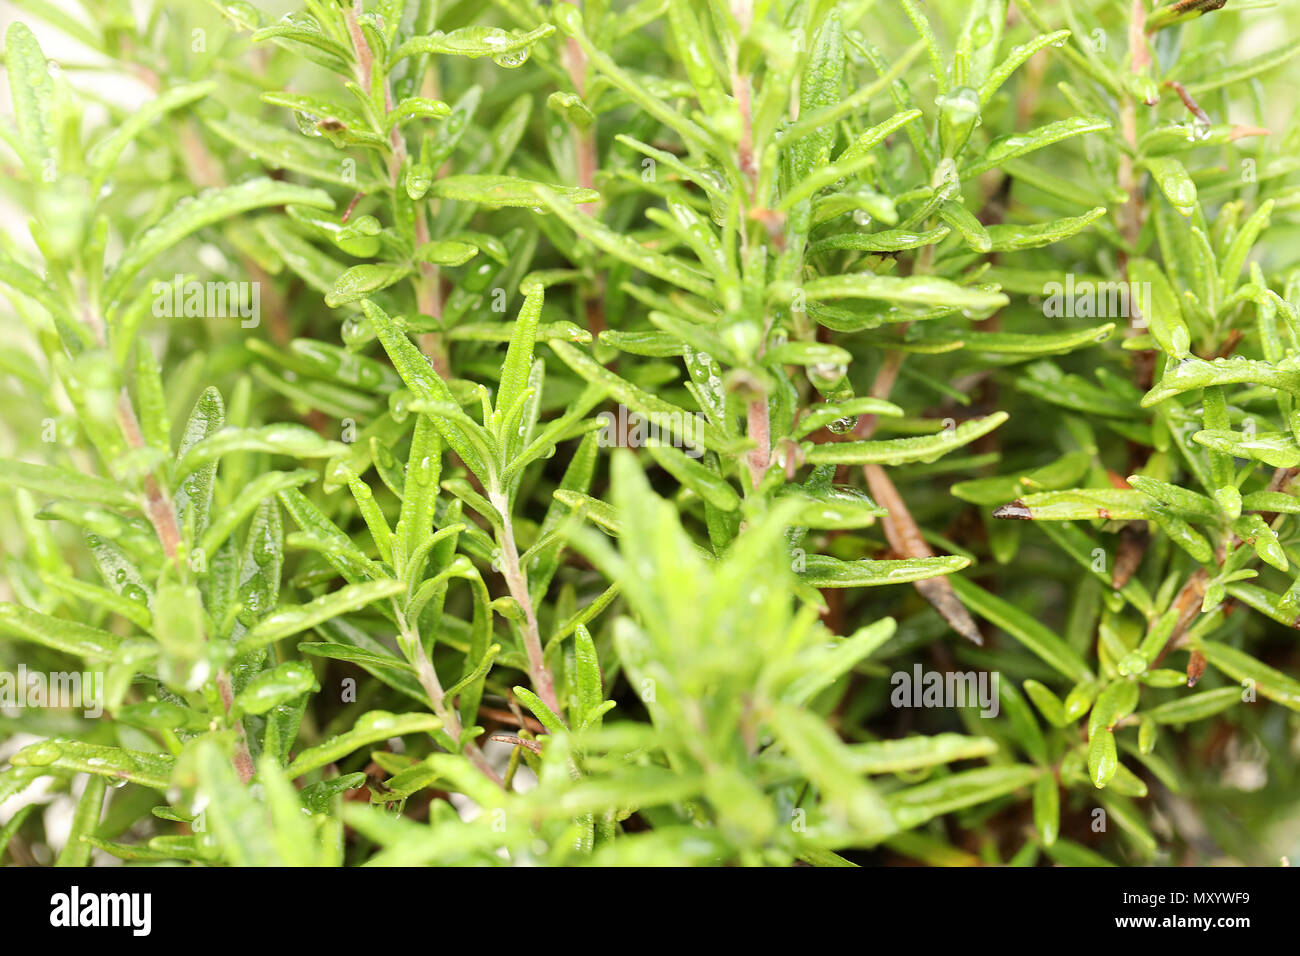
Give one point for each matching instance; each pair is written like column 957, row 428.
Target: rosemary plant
column 656, row 432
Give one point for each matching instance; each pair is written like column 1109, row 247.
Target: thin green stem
column 517, row 582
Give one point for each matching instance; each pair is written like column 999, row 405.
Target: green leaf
column 62, row 483
column 1103, row 760
column 1066, row 470
column 1078, row 504
column 178, row 622
column 1174, row 182
column 601, row 512
column 914, row 290
column 1023, row 627
column 684, row 426
column 370, row 727
column 13, row 825
column 1015, row 58
column 519, row 356
column 278, row 148
column 827, row 761
column 833, row 663
column 916, row 753
column 872, row 137
column 315, row 109
column 1046, row 382
column 1241, row 245
column 548, row 717
column 970, row 228
column 569, row 19
column 70, row 637
column 76, row 851
column 294, row 834
column 827, row 413
column 1015, row 238
column 282, row 623
column 499, row 191
column 318, row 796
column 301, row 28
column 590, row 696
column 1192, row 707
column 260, row 488
column 356, row 655
column 1048, row 704
column 477, row 447
column 1047, row 808
column 1015, row 145
column 274, row 687
column 1024, row 729
column 1240, row 666
column 1160, row 307
column 622, row 247
column 296, row 441
column 237, row 820
column 208, row 207
column 27, row 283
column 1194, row 372
column 709, row 485
column 822, row 571
column 336, row 547
column 419, row 492
column 418, row 375
column 1244, row 69
column 446, row 252
column 193, row 498
column 1271, row 501
column 888, row 240
column 1013, row 343
column 896, row 451
column 1180, row 12
column 1273, row 448
column 162, row 715
column 32, row 90
column 411, row 364
column 938, row 62
column 819, row 87
column 831, row 508
column 316, row 268
column 364, row 280
column 504, row 46
column 1068, row 853
column 914, row 806
column 59, row 753
column 807, row 353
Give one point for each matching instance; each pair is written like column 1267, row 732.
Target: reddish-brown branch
column 906, row 540
column 532, row 745
column 365, row 59
column 243, row 758
column 759, row 430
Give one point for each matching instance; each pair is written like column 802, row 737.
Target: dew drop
column 43, row 754
column 512, row 59
column 306, row 123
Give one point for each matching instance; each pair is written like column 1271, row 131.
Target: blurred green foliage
column 938, row 337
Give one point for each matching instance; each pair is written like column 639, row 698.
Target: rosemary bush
column 471, row 433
